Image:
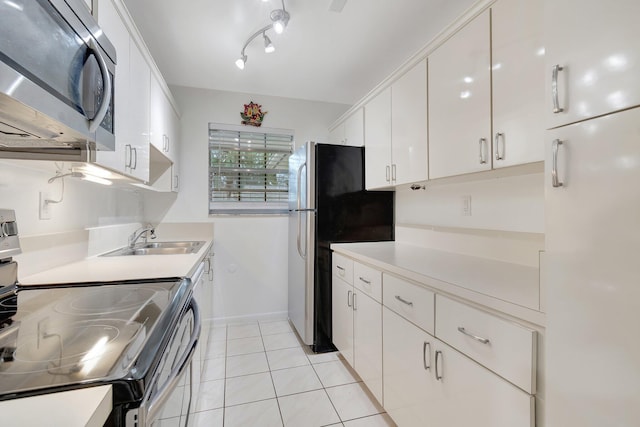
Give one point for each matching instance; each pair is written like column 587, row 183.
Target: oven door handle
column 163, row 394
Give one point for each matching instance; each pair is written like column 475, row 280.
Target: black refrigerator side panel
column 345, row 212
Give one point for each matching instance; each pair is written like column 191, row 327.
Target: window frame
column 244, row 138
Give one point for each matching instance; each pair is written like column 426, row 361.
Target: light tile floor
column 259, row 375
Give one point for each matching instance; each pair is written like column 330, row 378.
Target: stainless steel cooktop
column 57, row 336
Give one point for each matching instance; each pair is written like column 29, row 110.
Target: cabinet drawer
column 504, row 347
column 342, row 267
column 410, row 301
column 368, row 280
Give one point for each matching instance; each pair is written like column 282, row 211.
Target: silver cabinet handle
column 438, row 363
column 481, row 143
column 496, row 141
column 388, row 174
column 404, row 301
column 341, row 270
column 128, row 149
column 424, row 355
column 177, row 182
column 135, row 156
column 362, row 279
column 355, row 307
column 349, row 294
column 393, row 172
column 475, row 337
column 554, row 88
column 555, row 181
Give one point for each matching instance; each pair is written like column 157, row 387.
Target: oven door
column 169, row 397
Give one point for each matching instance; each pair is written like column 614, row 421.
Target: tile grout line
column 275, row 392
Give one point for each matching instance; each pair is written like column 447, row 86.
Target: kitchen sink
column 159, row 248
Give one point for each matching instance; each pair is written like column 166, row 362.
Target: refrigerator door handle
column 298, row 193
column 302, row 253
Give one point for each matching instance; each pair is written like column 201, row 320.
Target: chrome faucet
column 149, row 229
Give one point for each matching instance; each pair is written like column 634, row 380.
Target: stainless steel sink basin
column 159, row 248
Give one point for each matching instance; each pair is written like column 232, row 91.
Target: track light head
column 280, row 18
column 268, row 46
column 241, row 61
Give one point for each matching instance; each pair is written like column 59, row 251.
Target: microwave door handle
column 154, row 405
column 106, row 78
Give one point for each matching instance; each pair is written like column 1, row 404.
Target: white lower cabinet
column 342, row 317
column 367, row 341
column 428, row 383
column 407, row 365
column 431, row 360
column 357, row 331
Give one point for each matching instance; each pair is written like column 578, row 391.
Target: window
column 248, row 170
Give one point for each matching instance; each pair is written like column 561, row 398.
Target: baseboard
column 259, row 317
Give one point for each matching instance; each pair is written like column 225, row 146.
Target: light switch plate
column 466, row 205
column 45, row 208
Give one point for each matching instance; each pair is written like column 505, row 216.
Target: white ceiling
column 322, row 55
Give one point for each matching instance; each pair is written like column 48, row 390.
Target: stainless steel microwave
column 57, row 72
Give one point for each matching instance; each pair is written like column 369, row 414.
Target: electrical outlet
column 45, row 208
column 466, row 205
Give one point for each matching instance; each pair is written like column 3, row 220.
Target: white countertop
column 76, row 408
column 510, row 288
column 116, row 268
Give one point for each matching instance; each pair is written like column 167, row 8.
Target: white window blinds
column 248, row 170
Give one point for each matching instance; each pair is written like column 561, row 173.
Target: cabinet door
column 139, row 113
column 460, row 102
column 408, row 371
column 592, row 239
column 409, row 125
column 367, row 338
column 518, row 65
column 597, row 44
column 342, row 318
column 354, row 129
column 174, row 148
column 377, row 145
column 471, row 395
column 114, row 28
column 158, row 116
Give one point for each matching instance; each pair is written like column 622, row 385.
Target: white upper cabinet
column 460, row 102
column 140, row 85
column 115, row 29
column 518, row 64
column 132, row 85
column 396, row 132
column 409, row 126
column 377, row 133
column 144, row 114
column 349, row 132
column 601, row 77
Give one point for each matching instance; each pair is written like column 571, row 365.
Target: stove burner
column 103, row 300
column 67, row 350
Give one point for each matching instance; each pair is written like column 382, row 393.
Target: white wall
column 84, row 204
column 513, row 203
column 250, row 262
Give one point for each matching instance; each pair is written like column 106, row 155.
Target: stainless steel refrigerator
column 327, row 204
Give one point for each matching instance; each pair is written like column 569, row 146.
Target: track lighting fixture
column 280, row 19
